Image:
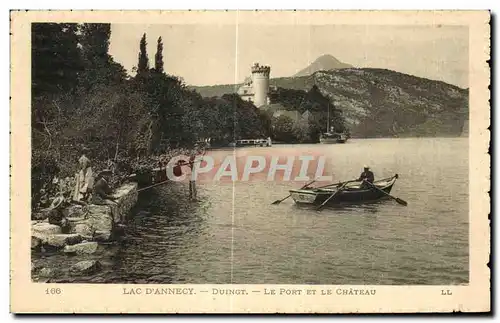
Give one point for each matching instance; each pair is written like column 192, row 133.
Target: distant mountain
column 322, row 63
column 216, row 90
column 383, row 103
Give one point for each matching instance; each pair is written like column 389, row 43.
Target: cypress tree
column 143, row 64
column 159, row 56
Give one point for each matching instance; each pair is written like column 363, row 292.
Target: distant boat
column 330, row 136
column 252, row 142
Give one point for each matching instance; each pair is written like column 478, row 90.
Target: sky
column 212, row 54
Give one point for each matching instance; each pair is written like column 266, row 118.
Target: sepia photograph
column 178, row 156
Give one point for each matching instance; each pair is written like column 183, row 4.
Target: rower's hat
column 366, row 166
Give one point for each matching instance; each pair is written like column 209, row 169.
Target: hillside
column 322, row 63
column 383, row 103
column 215, row 90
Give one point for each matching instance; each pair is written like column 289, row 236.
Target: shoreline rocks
column 86, row 267
column 47, row 272
column 84, row 228
column 75, row 211
column 58, row 241
column 81, row 248
column 45, row 228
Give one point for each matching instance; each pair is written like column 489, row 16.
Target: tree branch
column 48, row 132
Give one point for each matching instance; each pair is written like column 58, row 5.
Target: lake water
column 234, row 234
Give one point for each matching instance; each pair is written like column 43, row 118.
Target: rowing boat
column 352, row 192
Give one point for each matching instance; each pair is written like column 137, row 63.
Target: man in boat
column 366, row 176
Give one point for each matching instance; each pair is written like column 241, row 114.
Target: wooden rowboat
column 352, row 192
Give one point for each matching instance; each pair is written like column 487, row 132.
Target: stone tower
column 260, row 80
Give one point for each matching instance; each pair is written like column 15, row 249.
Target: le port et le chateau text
column 281, row 291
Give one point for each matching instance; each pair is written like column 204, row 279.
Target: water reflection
column 367, row 206
column 163, row 224
column 235, row 235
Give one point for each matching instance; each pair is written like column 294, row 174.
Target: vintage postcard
column 250, row 161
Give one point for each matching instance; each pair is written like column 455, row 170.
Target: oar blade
column 400, row 201
column 276, row 202
column 397, row 199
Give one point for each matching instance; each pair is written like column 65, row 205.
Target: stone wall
column 103, row 218
column 85, row 223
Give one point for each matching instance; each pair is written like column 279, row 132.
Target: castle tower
column 260, row 77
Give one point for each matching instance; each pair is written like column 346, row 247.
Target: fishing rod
column 179, row 164
column 151, row 186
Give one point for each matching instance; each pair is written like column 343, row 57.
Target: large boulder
column 60, row 240
column 84, row 229
column 75, row 212
column 99, row 217
column 81, row 248
column 86, row 267
column 45, row 229
column 47, row 272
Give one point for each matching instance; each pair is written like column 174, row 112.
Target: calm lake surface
column 234, row 234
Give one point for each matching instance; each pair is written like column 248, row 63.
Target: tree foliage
column 56, row 60
column 322, row 112
column 143, row 63
column 283, row 129
column 159, row 56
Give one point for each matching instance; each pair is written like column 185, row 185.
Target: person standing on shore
column 192, row 180
column 84, row 180
column 177, row 171
column 193, row 192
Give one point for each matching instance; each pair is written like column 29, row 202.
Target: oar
column 279, row 201
column 336, row 184
column 168, row 180
column 400, row 201
column 154, row 185
column 161, row 183
column 333, row 195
